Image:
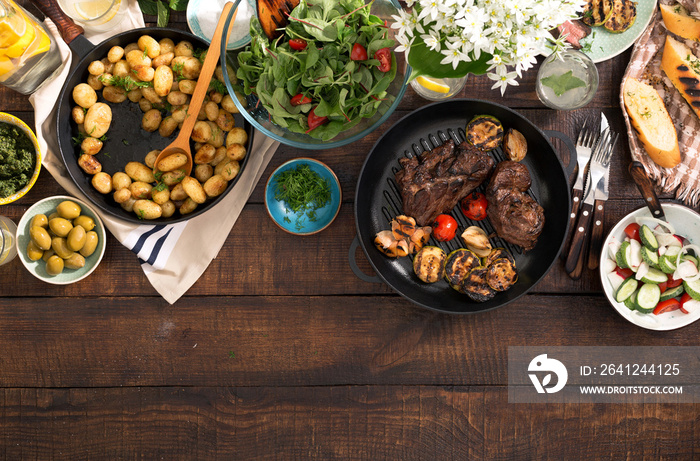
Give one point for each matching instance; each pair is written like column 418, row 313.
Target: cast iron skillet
column 377, row 201
column 126, row 140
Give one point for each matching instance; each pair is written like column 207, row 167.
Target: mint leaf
column 563, row 83
column 163, row 14
column 149, row 7
column 178, row 5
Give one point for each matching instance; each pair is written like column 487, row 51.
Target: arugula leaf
column 563, row 82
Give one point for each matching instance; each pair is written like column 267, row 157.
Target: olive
column 40, row 237
column 76, row 238
column 34, row 252
column 86, row 222
column 39, row 220
column 76, row 261
column 54, row 265
column 68, row 209
column 90, row 244
column 53, row 215
column 59, row 246
column 47, row 254
column 60, row 226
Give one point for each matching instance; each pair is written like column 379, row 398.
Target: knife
column 601, row 196
column 646, row 187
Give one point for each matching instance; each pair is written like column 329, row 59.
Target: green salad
column 329, row 70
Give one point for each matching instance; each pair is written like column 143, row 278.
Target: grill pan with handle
column 126, row 140
column 377, row 201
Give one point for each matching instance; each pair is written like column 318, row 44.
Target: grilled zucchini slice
column 459, row 263
column 429, row 264
column 501, row 274
column 624, row 13
column 485, row 132
column 597, row 12
column 475, row 286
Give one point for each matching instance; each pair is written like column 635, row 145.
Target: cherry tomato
column 384, row 57
column 667, row 306
column 624, row 273
column 474, row 206
column 314, row 120
column 300, row 99
column 673, row 283
column 684, row 299
column 632, row 231
column 358, row 53
column 297, row 44
column 444, row 228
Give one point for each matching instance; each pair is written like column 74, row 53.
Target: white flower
column 432, row 40
column 454, row 55
column 503, row 78
column 403, row 22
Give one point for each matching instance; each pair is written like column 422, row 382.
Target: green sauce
column 16, row 159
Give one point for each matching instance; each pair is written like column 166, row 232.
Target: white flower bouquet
column 451, row 38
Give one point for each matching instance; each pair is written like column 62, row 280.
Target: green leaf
column 163, row 14
column 563, row 83
column 149, row 7
column 178, row 5
column 425, row 61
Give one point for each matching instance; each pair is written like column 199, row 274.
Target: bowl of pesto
column 20, row 158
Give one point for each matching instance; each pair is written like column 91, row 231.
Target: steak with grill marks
column 516, row 217
column 433, row 182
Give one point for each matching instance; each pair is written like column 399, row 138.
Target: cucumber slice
column 672, row 293
column 631, row 301
column 690, row 258
column 693, row 289
column 647, row 298
column 667, row 263
column 626, row 289
column 654, row 276
column 623, row 256
column 648, row 238
column 651, row 257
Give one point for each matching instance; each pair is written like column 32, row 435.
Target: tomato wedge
column 297, row 44
column 673, row 283
column 624, row 273
column 314, row 120
column 663, row 286
column 632, row 231
column 667, row 306
column 684, row 299
column 300, row 99
column 384, row 57
column 358, row 53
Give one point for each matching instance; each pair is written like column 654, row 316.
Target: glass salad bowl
column 251, row 108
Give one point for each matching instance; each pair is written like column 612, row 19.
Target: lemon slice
column 17, row 49
column 432, row 85
column 93, row 9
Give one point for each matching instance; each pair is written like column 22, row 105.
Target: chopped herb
column 177, row 70
column 160, row 186
column 106, row 154
column 127, row 83
column 303, row 191
column 231, row 355
column 126, row 143
column 217, row 86
column 145, row 51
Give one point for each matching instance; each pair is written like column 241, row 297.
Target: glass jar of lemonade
column 28, row 53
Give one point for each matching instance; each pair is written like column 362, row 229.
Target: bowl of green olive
column 60, row 240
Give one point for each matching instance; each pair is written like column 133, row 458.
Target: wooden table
column 280, row 352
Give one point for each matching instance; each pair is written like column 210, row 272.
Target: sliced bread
column 680, row 22
column 682, row 67
column 651, row 121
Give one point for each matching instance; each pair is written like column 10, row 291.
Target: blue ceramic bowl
column 298, row 223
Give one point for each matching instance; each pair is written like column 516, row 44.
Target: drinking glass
column 8, row 240
column 95, row 15
column 567, row 82
column 437, row 89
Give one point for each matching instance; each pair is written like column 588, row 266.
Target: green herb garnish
column 303, row 191
column 162, row 9
column 217, row 86
column 563, row 83
column 127, row 83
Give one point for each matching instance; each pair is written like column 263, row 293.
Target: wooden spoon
column 181, row 144
column 273, row 15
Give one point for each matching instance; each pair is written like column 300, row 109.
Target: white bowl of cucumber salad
column 650, row 270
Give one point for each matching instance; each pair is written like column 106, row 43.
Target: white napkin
column 172, row 256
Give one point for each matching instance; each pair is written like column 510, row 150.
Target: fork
column 598, row 165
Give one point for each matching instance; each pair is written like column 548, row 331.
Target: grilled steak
column 433, row 182
column 574, row 31
column 516, row 216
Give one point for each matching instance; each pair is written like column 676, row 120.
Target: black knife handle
column 579, row 239
column 596, row 234
column 576, row 199
column 646, row 187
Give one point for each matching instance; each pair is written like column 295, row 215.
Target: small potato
column 60, row 226
column 84, row 95
column 191, row 68
column 183, row 48
column 163, row 60
column 91, row 241
column 106, row 78
column 237, row 135
column 120, row 180
column 58, row 244
column 34, row 253
column 151, row 120
column 172, row 162
column 91, row 146
column 96, row 68
column 121, row 69
column 115, row 54
column 235, row 152
column 175, row 86
column 202, row 115
column 203, row 172
column 215, row 186
column 54, row 265
column 205, row 154
column 130, row 47
column 76, row 261
column 177, row 98
column 166, row 45
column 217, row 135
column 109, row 65
column 145, row 105
column 151, row 157
column 168, row 208
column 146, row 209
column 225, row 120
column 135, row 95
column 229, row 70
column 68, row 209
column 39, row 220
column 95, row 82
column 76, row 238
column 89, row 164
column 178, row 192
column 149, row 45
column 216, row 96
column 187, row 86
column 167, row 127
column 137, row 58
column 122, row 195
column 171, row 178
column 194, row 189
column 150, row 94
column 163, row 80
column 228, row 105
column 81, row 127
column 145, row 73
column 78, row 114
column 114, row 94
column 228, row 169
column 211, row 109
column 179, row 115
column 139, row 172
column 140, row 190
column 160, row 195
column 40, row 237
column 102, row 182
column 201, row 132
column 98, row 119
column 219, row 156
column 188, row 206
column 86, row 222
